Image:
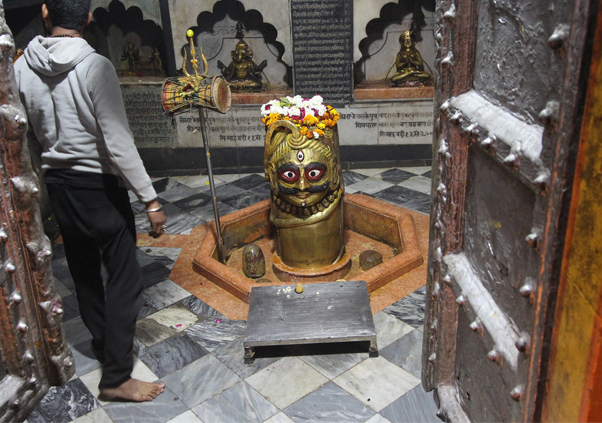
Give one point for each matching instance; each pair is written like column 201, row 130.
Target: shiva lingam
column 312, row 231
column 302, row 164
column 243, row 74
column 409, row 64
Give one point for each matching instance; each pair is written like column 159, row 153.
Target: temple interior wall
column 376, row 130
column 150, row 8
column 381, row 62
column 184, row 13
column 219, row 44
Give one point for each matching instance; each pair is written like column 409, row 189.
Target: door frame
column 551, row 179
column 34, row 350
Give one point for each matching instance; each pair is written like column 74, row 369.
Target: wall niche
column 216, row 32
column 380, row 47
column 113, row 29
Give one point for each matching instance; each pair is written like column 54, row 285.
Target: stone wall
column 150, row 8
column 383, row 127
column 391, row 133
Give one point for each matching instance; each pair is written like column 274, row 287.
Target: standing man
column 76, row 112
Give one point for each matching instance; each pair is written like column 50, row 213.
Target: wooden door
column 510, row 88
column 33, row 352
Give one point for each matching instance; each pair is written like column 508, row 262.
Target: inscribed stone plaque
column 403, row 123
column 323, row 49
column 412, row 124
column 240, row 127
column 150, row 126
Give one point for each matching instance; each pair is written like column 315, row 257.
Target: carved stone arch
column 216, row 40
column 371, row 33
column 150, row 8
column 145, row 33
column 276, row 12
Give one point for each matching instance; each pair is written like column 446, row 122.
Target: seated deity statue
column 409, row 64
column 242, row 73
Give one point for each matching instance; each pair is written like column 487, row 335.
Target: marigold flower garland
column 310, row 115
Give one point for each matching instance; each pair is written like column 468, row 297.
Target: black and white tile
column 232, row 355
column 410, row 309
column 329, row 403
column 395, row 176
column 201, row 309
column 171, row 354
column 64, row 403
column 240, row 403
column 198, row 352
column 165, row 407
column 377, row 382
column 201, row 380
column 406, row 352
column 351, row 177
column 405, row 197
column 416, row 406
column 213, row 334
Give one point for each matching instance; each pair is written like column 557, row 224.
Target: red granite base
column 367, row 219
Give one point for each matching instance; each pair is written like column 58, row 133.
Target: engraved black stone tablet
column 323, row 49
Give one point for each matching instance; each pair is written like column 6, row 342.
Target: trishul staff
column 200, row 91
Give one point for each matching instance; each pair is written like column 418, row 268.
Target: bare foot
column 134, row 390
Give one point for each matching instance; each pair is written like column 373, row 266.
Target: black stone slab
column 323, row 49
column 169, row 50
column 323, row 313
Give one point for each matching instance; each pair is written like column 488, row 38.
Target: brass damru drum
column 181, row 94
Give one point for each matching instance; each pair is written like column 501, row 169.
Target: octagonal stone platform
column 369, row 224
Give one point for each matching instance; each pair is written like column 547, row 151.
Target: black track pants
column 97, row 226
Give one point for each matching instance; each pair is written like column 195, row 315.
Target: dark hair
column 69, row 14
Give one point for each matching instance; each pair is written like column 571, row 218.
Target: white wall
column 150, row 8
column 184, row 15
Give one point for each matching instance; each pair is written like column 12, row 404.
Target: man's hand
column 156, row 218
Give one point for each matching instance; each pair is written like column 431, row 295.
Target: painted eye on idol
column 300, row 155
column 315, row 171
column 288, row 175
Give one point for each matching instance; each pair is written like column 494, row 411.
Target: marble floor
column 197, row 351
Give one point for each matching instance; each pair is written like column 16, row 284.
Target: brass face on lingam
column 303, row 166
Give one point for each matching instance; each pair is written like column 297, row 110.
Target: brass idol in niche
column 243, row 74
column 409, row 64
column 302, row 164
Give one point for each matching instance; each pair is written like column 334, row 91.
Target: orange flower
column 329, row 119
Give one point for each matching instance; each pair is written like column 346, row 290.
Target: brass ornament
column 306, row 185
column 243, row 74
column 195, row 90
column 409, row 64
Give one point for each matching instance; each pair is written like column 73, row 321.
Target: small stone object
column 299, row 288
column 263, row 280
column 369, row 259
column 253, row 262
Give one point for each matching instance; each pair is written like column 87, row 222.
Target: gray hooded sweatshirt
column 76, row 112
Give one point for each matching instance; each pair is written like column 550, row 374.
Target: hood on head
column 53, row 56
